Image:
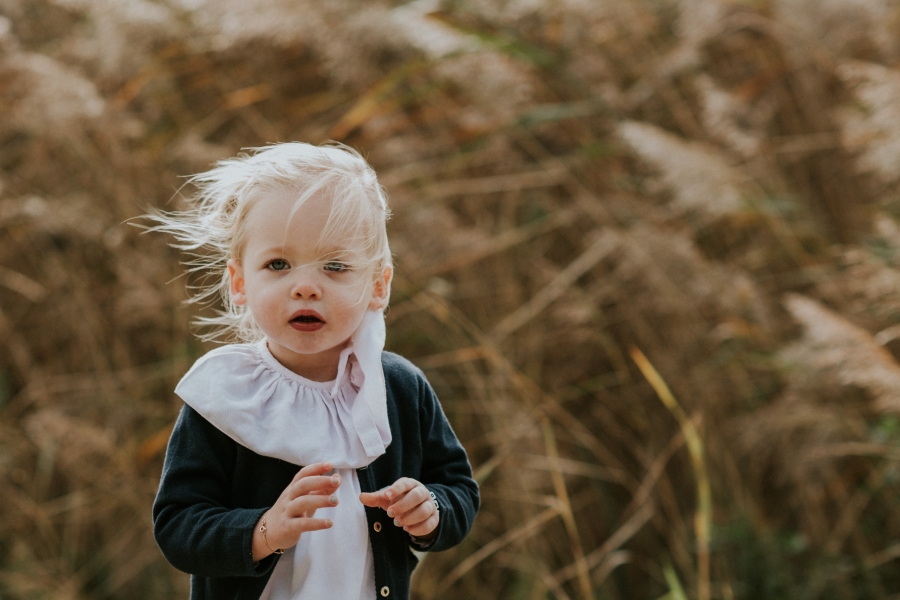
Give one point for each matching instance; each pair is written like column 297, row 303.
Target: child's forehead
column 279, row 210
column 276, row 231
column 283, row 199
column 288, row 218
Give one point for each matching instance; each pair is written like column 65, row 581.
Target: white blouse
column 248, row 395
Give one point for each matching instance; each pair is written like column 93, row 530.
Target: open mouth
column 307, row 320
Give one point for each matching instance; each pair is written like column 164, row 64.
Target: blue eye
column 335, row 266
column 277, row 264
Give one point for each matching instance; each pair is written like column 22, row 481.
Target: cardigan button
column 377, row 526
column 385, row 592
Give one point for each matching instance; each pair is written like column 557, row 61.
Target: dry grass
column 712, row 182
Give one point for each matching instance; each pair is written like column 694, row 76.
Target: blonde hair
column 211, row 230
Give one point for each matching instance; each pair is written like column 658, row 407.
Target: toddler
column 306, row 461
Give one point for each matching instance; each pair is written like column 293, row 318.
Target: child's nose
column 306, row 286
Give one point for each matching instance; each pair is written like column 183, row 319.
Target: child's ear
column 381, row 291
column 236, row 278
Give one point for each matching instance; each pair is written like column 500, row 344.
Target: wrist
column 424, row 541
column 261, row 546
column 263, row 528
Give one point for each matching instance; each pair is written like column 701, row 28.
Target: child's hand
column 293, row 512
column 409, row 503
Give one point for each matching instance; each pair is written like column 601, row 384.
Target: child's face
column 299, row 293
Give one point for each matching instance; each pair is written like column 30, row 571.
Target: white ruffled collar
column 266, row 355
column 264, row 406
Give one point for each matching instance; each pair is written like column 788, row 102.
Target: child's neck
column 321, row 367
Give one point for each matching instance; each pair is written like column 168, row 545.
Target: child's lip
column 306, row 316
column 307, row 321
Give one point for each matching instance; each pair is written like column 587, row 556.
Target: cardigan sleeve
column 195, row 529
column 446, row 472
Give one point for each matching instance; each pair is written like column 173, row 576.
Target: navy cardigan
column 213, row 492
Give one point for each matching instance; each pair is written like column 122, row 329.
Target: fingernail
column 336, row 480
column 397, row 522
column 334, row 499
column 329, row 522
column 390, row 513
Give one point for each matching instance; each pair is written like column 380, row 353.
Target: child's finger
column 413, row 498
column 314, row 469
column 416, row 515
column 425, row 527
column 384, row 497
column 305, row 506
column 400, row 487
column 375, row 499
column 299, row 526
column 313, row 485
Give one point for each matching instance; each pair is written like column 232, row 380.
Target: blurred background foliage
column 646, row 252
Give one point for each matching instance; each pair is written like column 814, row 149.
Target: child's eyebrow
column 335, row 249
column 348, row 256
column 330, row 247
column 279, row 249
